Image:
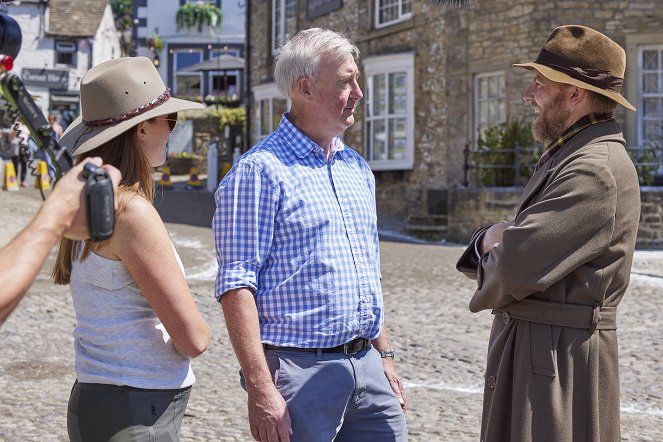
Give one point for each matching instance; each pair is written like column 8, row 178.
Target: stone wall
column 451, row 46
column 650, row 233
column 471, row 208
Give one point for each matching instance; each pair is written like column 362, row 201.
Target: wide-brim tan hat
column 583, row 57
column 116, row 95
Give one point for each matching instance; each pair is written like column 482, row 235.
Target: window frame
column 261, row 93
column 641, row 95
column 229, row 73
column 73, row 52
column 277, row 41
column 476, row 123
column 177, row 73
column 401, row 17
column 385, row 65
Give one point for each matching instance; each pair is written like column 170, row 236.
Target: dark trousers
column 20, row 159
column 99, row 412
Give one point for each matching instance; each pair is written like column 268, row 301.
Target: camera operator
column 63, row 213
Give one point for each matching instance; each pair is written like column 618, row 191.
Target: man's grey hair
column 300, row 56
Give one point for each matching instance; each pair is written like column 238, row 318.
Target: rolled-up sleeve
column 243, row 225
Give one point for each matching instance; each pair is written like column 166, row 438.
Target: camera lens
column 10, row 36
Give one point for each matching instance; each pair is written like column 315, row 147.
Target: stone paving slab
column 440, row 345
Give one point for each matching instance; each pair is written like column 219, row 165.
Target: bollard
column 43, row 179
column 10, row 177
column 165, row 178
column 212, row 166
column 194, row 181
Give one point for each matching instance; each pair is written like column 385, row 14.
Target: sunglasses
column 171, row 119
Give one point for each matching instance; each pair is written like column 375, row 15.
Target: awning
column 221, row 63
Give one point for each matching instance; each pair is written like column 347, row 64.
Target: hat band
column 596, row 77
column 131, row 114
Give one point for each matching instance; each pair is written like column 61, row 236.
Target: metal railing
column 514, row 167
column 499, row 167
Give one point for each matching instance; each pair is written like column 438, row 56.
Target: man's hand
column 68, row 198
column 268, row 414
column 493, row 236
column 395, row 381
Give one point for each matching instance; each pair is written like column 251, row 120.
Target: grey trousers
column 99, row 412
column 334, row 397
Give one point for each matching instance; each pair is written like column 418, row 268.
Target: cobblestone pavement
column 440, row 345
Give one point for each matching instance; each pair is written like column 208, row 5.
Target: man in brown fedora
column 554, row 276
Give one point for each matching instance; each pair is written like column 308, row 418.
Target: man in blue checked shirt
column 299, row 271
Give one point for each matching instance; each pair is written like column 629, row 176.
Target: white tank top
column 119, row 339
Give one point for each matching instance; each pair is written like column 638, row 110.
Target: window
column 389, row 110
column 489, row 101
column 388, row 12
column 65, row 53
column 224, row 83
column 187, row 84
column 269, row 107
column 650, row 95
column 284, row 22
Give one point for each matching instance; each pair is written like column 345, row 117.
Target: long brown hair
column 124, row 153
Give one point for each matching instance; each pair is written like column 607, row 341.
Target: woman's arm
column 142, row 243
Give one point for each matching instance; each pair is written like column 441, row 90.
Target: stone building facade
column 434, row 76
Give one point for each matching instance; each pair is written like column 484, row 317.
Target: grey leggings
column 99, row 412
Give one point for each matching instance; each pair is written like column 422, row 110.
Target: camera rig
column 17, row 102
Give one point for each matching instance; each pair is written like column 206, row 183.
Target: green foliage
column 191, row 14
column 504, row 155
column 122, row 12
column 230, row 116
column 647, row 162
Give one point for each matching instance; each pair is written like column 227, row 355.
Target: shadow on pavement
column 182, row 206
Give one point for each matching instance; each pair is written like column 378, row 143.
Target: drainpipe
column 247, row 71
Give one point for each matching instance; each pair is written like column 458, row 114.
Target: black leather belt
column 349, row 348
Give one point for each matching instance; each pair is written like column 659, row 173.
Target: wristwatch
column 388, row 353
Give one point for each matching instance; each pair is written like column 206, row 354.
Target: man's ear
column 577, row 96
column 304, row 87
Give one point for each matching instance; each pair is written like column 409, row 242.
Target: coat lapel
column 597, row 133
column 533, row 185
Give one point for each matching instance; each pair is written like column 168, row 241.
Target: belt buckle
column 352, row 351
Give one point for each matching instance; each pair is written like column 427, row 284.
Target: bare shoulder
column 139, row 219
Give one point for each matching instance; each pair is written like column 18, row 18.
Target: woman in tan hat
column 137, row 323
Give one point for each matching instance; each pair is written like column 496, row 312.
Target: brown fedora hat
column 583, row 57
column 116, row 95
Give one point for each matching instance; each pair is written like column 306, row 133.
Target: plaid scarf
column 583, row 123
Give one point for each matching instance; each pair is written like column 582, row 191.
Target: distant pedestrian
column 138, row 326
column 299, row 264
column 554, row 276
column 55, row 127
column 19, row 135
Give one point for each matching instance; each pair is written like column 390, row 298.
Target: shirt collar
column 303, row 145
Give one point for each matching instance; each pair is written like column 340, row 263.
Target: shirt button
column 491, row 382
column 506, row 317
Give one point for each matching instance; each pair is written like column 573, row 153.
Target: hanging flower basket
column 200, row 14
column 155, row 43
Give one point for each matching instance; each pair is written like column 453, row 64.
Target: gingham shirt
column 300, row 231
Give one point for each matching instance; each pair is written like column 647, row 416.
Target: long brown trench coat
column 553, row 284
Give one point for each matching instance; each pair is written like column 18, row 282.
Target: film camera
column 17, row 102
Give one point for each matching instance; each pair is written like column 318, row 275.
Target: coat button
column 491, row 382
column 505, row 317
